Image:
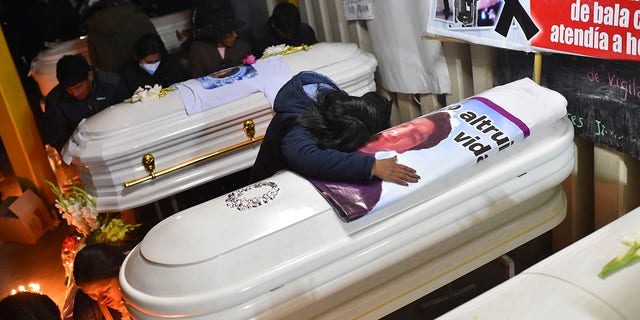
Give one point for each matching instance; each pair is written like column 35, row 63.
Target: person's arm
column 55, row 125
column 305, row 157
column 389, row 170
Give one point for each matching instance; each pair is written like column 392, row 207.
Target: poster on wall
column 607, row 29
column 603, row 95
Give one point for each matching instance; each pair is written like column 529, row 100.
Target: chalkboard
column 603, row 95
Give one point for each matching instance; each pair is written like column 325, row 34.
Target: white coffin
column 294, row 258
column 43, row 66
column 566, row 285
column 113, row 141
column 168, row 25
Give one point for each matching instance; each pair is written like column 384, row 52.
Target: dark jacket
column 205, row 58
column 269, row 37
column 63, row 112
column 85, row 308
column 169, row 71
column 111, row 33
column 287, row 146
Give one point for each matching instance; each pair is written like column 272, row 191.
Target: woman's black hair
column 149, row 44
column 343, row 122
column 96, row 262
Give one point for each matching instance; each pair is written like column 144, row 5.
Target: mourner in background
column 152, row 64
column 284, row 27
column 217, row 47
column 112, row 28
column 95, row 272
column 82, row 91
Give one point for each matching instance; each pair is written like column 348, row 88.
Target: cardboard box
column 25, row 219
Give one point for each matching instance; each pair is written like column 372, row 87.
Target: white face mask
column 150, row 68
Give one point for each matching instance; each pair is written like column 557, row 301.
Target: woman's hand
column 389, row 170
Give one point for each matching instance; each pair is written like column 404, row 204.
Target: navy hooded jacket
column 287, row 146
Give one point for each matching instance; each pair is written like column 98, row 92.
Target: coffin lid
column 224, row 227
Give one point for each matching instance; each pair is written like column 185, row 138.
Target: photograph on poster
column 469, row 13
column 605, row 29
column 444, row 10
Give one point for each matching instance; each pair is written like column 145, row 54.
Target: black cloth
column 63, row 112
column 85, row 308
column 304, row 35
column 169, row 71
column 270, row 159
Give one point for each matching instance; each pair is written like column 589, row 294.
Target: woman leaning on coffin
column 317, row 130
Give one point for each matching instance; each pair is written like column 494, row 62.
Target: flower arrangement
column 89, row 226
column 282, row 49
column 79, row 210
column 149, row 93
column 624, row 259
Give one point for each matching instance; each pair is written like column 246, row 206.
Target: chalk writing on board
column 603, row 96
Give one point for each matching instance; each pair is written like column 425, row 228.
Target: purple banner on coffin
column 439, row 146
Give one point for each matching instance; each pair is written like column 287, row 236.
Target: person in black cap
column 82, row 91
column 284, row 27
column 217, row 47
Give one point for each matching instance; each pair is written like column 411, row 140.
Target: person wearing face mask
column 152, row 64
column 82, row 91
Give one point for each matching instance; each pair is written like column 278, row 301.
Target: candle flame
column 31, row 287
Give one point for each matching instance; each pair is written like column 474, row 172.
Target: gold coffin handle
column 148, row 159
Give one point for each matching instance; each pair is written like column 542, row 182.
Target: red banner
column 600, row 29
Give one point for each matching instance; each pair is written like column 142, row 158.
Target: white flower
column 273, row 50
column 147, row 93
column 631, row 240
column 78, row 209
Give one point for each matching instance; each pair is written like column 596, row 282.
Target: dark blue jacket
column 291, row 147
column 63, row 112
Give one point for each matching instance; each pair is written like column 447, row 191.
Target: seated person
column 152, row 64
column 317, row 128
column 113, row 26
column 82, row 91
column 217, row 47
column 95, row 271
column 284, row 27
column 28, row 306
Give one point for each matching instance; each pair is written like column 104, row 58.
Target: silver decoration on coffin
column 235, row 199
